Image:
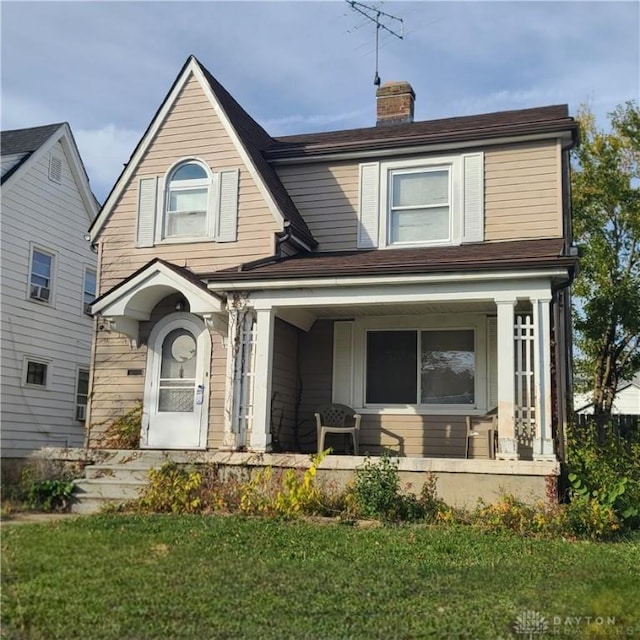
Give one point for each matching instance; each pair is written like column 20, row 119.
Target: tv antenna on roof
column 377, row 16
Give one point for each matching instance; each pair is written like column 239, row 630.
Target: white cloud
column 104, row 152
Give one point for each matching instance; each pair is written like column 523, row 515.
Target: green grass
column 174, row 577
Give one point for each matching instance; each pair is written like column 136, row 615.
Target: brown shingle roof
column 478, row 127
column 490, row 256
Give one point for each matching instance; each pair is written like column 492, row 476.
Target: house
column 626, row 402
column 48, row 281
column 416, row 271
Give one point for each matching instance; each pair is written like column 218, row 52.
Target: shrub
column 604, row 470
column 49, row 495
column 172, row 489
column 375, row 493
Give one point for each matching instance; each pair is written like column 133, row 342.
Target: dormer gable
column 245, row 140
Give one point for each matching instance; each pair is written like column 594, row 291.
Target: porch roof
column 488, row 256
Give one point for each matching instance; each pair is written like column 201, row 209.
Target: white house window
column 429, row 201
column 419, row 205
column 428, row 367
column 36, row 373
column 88, row 290
column 40, row 281
column 82, row 394
column 187, row 202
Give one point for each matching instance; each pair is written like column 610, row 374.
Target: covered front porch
column 414, row 356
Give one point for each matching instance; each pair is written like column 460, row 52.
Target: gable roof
column 247, row 135
column 24, row 141
column 540, row 120
column 34, row 142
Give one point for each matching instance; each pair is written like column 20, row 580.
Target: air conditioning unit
column 81, row 412
column 40, row 293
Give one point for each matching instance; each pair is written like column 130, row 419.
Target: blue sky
column 305, row 66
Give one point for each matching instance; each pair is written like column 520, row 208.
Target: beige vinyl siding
column 284, row 384
column 326, row 196
column 191, row 129
column 217, row 386
column 522, row 195
column 523, row 199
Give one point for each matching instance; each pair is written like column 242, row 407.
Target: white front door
column 177, row 384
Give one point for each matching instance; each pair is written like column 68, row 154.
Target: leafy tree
column 606, row 218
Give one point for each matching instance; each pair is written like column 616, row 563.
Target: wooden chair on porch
column 337, row 418
column 482, row 432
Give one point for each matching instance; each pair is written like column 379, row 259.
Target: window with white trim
column 420, row 367
column 82, row 394
column 431, row 364
column 422, row 202
column 35, row 373
column 41, row 275
column 419, row 205
column 187, row 202
column 192, row 203
column 88, row 290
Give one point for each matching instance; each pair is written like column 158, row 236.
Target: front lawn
column 199, row 577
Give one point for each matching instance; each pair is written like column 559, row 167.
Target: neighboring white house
column 626, row 402
column 48, row 280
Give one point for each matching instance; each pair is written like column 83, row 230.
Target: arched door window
column 187, row 201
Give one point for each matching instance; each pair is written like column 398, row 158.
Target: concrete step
column 134, row 471
column 108, row 488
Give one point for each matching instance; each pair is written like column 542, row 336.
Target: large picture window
column 429, row 367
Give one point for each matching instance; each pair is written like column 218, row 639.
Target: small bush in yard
column 375, row 493
column 49, row 495
column 172, row 489
column 605, row 471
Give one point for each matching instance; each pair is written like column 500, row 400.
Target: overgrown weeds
column 124, row 432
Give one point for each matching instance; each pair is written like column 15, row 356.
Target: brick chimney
column 394, row 103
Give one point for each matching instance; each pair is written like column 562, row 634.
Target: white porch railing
column 525, row 400
column 244, row 375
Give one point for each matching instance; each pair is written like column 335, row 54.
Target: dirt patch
column 35, row 518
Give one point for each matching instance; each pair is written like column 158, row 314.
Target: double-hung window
column 429, row 201
column 421, row 367
column 187, row 202
column 420, row 205
column 82, row 394
column 41, row 275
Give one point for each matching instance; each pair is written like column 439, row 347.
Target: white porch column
column 543, row 440
column 507, row 442
column 261, row 428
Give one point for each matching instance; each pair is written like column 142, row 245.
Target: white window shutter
column 147, row 198
column 228, row 210
column 473, row 198
column 369, row 213
column 342, row 381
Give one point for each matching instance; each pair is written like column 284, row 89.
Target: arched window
column 187, row 201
